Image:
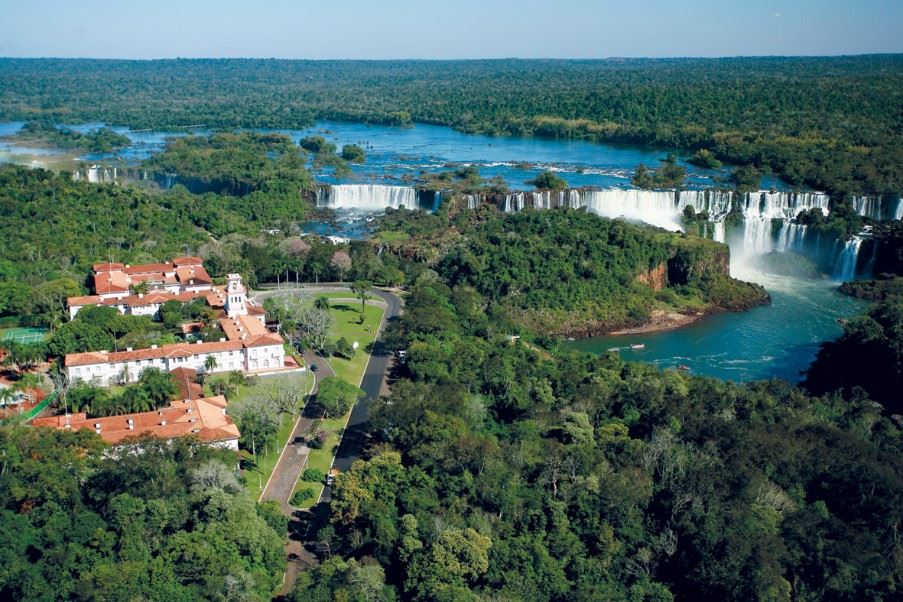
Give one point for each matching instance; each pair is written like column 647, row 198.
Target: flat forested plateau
column 834, row 123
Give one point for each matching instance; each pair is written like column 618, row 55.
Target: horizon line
column 458, row 59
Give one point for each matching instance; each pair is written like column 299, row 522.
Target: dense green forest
column 236, row 164
column 167, row 522
column 868, row 359
column 54, row 229
column 502, row 471
column 829, row 122
column 571, row 272
column 101, row 140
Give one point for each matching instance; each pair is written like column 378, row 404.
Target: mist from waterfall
column 752, row 224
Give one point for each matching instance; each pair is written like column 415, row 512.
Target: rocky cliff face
column 656, row 278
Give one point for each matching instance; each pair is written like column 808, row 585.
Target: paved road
column 292, row 461
column 304, row 525
column 356, row 433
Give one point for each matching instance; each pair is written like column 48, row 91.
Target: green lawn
column 346, row 313
column 345, row 297
column 346, row 316
column 345, row 310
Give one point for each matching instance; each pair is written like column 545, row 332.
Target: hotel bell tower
column 235, row 296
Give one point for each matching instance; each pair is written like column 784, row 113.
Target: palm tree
column 322, row 303
column 158, row 386
column 209, row 363
column 361, row 287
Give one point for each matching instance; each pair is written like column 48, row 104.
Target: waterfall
column 869, row 270
column 514, row 202
column 791, row 237
column 845, row 267
column 658, row 208
column 96, row 174
column 543, row 200
column 877, row 208
column 367, row 197
column 757, row 236
column 765, row 219
column 665, row 209
column 473, row 200
column 867, row 206
column 718, row 234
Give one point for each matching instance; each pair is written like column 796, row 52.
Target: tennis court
column 23, row 335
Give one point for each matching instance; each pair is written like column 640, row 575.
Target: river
column 778, row 340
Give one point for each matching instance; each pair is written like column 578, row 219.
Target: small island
column 101, row 140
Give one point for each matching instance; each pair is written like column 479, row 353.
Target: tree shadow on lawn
column 344, row 307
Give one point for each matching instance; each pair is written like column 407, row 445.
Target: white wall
column 226, row 361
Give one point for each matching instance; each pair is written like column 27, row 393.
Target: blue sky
column 380, row 29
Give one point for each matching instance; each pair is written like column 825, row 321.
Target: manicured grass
column 345, row 297
column 345, row 310
column 346, row 316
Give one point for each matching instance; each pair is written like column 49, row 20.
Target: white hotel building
column 248, row 346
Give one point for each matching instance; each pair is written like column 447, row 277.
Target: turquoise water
column 399, row 155
column 777, row 340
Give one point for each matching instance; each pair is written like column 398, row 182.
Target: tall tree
column 361, row 288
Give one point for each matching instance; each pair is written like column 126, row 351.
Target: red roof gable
column 204, row 418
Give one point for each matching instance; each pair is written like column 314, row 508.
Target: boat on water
column 683, row 367
column 638, row 346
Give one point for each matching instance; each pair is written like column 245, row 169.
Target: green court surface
column 23, row 335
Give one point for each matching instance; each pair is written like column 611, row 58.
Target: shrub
column 344, row 349
column 313, row 475
column 318, row 440
column 301, row 496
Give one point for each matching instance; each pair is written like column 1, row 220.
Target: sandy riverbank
column 659, row 321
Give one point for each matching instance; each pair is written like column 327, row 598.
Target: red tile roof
column 107, row 267
column 117, row 278
column 186, row 380
column 110, row 282
column 175, row 350
column 204, row 418
column 193, row 275
column 150, row 298
column 242, row 328
column 148, row 268
column 263, row 340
